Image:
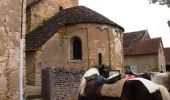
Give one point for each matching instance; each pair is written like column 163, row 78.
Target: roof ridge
column 31, row 3
column 135, row 31
column 156, row 38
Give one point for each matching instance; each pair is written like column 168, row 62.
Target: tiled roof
column 136, row 43
column 30, row 3
column 150, row 46
column 78, row 14
column 130, row 39
column 167, row 55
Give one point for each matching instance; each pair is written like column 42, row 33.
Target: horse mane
column 82, row 86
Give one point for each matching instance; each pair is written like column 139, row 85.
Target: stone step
column 33, row 92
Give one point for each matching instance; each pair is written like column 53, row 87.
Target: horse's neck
column 91, row 71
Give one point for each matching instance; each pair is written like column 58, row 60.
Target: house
column 75, row 37
column 142, row 52
column 167, row 58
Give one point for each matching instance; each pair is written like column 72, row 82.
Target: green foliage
column 161, row 2
column 168, row 23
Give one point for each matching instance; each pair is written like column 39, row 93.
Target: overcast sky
column 135, row 15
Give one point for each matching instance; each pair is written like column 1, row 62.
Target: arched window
column 76, row 48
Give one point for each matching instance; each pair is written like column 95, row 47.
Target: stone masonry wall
column 143, row 62
column 61, row 83
column 161, row 59
column 9, row 48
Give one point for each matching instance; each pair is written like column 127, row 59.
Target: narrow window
column 100, row 59
column 60, row 8
column 76, row 48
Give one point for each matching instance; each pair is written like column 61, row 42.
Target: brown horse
column 133, row 89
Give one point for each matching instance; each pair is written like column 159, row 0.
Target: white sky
column 135, row 15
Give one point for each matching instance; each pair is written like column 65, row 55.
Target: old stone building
column 38, row 11
column 10, row 33
column 167, row 58
column 143, row 52
column 74, row 37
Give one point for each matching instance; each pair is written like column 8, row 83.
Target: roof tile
column 150, row 46
column 135, row 44
column 130, row 39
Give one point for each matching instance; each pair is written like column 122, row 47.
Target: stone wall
column 10, row 25
column 96, row 38
column 61, row 83
column 143, row 62
column 161, row 59
column 30, row 70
